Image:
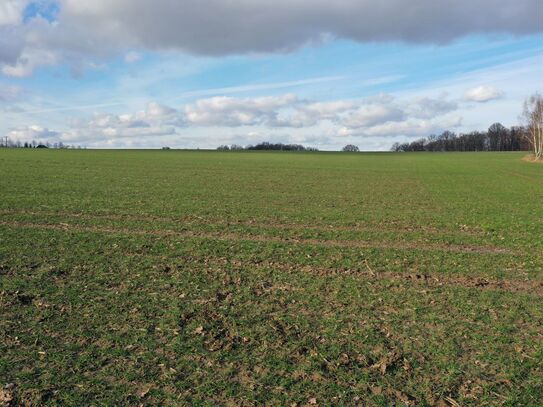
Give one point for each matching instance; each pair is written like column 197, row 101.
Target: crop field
column 248, row 278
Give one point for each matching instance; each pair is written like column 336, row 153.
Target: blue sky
column 138, row 88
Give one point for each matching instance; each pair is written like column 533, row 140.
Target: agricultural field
column 247, row 278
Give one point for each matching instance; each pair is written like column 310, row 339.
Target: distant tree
column 26, row 145
column 533, row 117
column 519, row 139
column 277, row 147
column 267, row 146
column 350, row 148
column 418, row 145
column 498, row 137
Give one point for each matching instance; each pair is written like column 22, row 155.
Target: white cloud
column 482, row 94
column 155, row 120
column 428, row 108
column 409, row 128
column 377, row 116
column 29, row 58
column 311, row 113
column 290, row 111
column 384, row 114
column 115, row 132
column 11, row 11
column 373, row 114
column 28, row 61
column 233, row 112
column 33, row 132
column 155, row 109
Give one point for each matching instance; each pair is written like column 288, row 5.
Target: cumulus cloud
column 482, row 94
column 101, row 28
column 308, row 114
column 290, row 111
column 378, row 116
column 385, row 115
column 408, row 128
column 105, row 129
column 233, row 112
column 428, row 108
column 33, row 132
column 155, row 120
column 373, row 114
column 28, row 61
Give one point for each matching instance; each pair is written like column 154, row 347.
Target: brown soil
column 259, row 238
column 531, row 158
column 267, row 224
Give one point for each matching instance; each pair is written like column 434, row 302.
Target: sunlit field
column 242, row 278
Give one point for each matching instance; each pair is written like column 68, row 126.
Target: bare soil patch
column 531, row 158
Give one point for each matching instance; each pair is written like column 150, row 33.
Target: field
column 206, row 278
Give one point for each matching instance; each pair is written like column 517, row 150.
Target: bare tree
column 533, row 116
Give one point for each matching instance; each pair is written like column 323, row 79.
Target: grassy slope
column 208, row 278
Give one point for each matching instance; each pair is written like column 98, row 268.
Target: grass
column 206, row 278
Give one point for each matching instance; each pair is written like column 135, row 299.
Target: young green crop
column 243, row 278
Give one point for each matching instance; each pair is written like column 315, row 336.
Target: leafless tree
column 533, row 116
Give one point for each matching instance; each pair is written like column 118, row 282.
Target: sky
column 203, row 73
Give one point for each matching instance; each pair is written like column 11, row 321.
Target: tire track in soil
column 236, row 237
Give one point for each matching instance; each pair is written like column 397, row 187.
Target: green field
column 206, row 278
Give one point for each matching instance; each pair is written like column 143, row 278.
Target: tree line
column 496, row 138
column 529, row 136
column 6, row 142
column 267, row 146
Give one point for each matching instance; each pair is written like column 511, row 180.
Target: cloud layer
column 378, row 116
column 84, row 30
